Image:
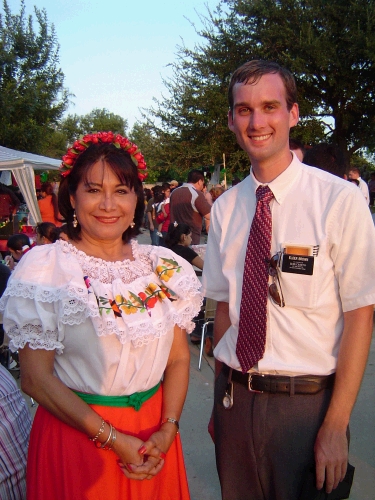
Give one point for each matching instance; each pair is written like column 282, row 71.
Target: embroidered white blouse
column 111, row 323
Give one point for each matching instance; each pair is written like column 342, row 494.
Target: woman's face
column 186, row 240
column 104, row 207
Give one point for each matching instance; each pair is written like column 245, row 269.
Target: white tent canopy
column 22, row 166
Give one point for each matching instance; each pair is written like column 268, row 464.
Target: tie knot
column 263, row 193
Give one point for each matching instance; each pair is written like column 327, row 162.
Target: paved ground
column 199, row 450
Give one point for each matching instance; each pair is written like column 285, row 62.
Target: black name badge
column 297, row 264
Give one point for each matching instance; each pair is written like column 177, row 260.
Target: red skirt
column 64, row 465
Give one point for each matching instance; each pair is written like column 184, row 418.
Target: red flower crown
column 117, row 140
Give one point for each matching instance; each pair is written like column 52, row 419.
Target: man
column 328, row 157
column 354, row 173
column 371, row 188
column 188, row 205
column 313, row 313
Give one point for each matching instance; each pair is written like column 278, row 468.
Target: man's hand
column 331, row 457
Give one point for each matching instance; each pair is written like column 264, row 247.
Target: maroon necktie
column 253, row 311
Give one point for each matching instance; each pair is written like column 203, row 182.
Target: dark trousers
column 265, row 442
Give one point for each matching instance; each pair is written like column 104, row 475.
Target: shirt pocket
column 299, row 290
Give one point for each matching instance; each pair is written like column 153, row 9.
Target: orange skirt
column 64, row 465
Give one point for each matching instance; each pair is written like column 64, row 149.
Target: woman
column 178, row 239
column 18, row 245
column 151, row 210
column 48, row 205
column 104, row 321
column 163, row 217
column 46, row 233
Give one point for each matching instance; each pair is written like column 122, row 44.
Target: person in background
column 297, row 147
column 46, row 233
column 188, row 205
column 18, row 245
column 371, row 188
column 354, row 173
column 207, row 194
column 148, row 196
column 328, row 157
column 48, row 206
column 178, row 239
column 153, row 203
column 100, row 325
column 163, row 215
column 215, row 192
column 15, row 425
column 9, row 203
column 173, row 184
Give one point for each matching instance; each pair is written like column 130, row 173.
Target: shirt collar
column 281, row 185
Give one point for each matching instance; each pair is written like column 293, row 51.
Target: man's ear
column 294, row 115
column 230, row 120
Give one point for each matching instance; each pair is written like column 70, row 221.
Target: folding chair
column 209, row 316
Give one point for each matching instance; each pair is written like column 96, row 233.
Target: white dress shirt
column 363, row 186
column 310, row 208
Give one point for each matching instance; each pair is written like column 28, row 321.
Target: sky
column 115, row 54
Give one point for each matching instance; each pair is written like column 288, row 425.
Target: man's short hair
column 356, row 170
column 251, row 72
column 328, row 157
column 195, row 176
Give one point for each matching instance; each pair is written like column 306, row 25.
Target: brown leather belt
column 304, row 384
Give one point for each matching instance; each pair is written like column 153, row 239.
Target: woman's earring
column 75, row 221
column 132, row 224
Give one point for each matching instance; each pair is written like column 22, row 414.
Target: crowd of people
column 99, row 321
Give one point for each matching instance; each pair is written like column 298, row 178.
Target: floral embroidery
column 87, row 283
column 144, row 301
column 166, row 270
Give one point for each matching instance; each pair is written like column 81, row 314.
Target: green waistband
column 135, row 400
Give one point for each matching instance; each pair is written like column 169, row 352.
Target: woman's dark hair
column 48, row 230
column 122, row 166
column 17, row 241
column 174, row 234
column 47, row 188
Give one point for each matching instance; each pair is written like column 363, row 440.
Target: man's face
column 353, row 175
column 199, row 185
column 261, row 120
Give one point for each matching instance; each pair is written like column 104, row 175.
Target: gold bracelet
column 110, row 446
column 171, row 421
column 100, row 431
column 103, row 445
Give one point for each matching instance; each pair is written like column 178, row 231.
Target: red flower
column 132, row 149
column 142, row 296
column 151, row 302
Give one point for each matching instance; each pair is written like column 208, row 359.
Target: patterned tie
column 253, row 312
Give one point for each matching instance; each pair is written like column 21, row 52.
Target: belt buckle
column 250, row 380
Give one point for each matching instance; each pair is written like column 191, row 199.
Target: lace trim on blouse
column 158, row 294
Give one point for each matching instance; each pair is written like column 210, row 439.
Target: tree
column 32, row 93
column 98, row 119
column 329, row 45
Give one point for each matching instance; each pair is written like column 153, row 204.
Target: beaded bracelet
column 100, row 431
